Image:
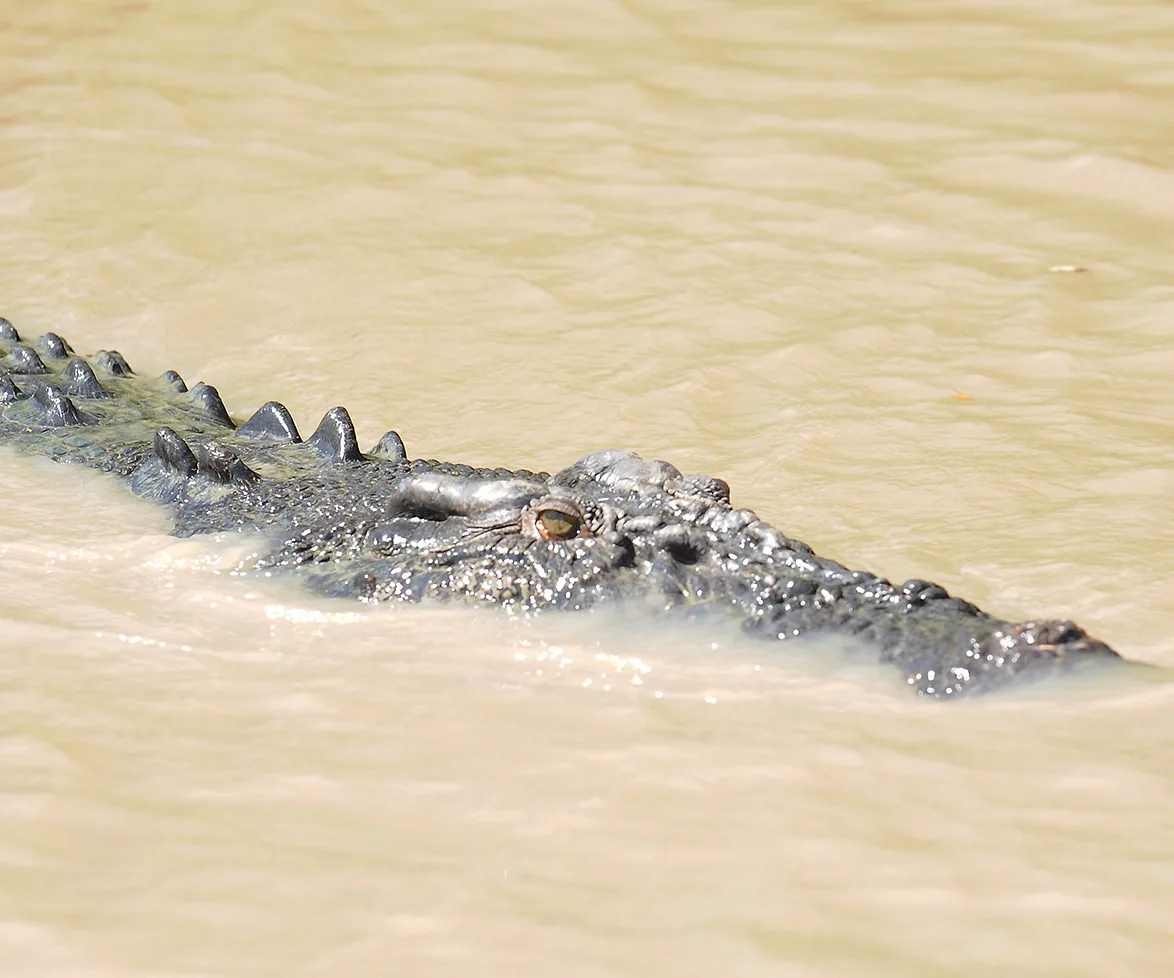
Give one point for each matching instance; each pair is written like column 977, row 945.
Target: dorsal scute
column 334, row 438
column 25, row 360
column 53, row 346
column 113, row 363
column 83, row 382
column 55, row 409
column 223, row 465
column 207, row 398
column 390, row 447
column 271, row 421
column 173, row 380
column 174, row 452
column 9, row 392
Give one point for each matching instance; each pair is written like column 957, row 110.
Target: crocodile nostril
column 680, row 544
column 684, row 553
column 1054, row 632
column 623, row 550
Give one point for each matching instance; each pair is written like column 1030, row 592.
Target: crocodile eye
column 554, row 524
column 555, row 518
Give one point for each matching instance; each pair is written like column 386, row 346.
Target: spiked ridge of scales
column 377, row 526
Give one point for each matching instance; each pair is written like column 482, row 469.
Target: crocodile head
column 612, row 526
column 616, row 527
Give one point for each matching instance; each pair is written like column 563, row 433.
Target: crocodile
column 378, row 526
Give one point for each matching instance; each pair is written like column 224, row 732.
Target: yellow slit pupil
column 558, row 525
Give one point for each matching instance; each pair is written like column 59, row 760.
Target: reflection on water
column 827, row 252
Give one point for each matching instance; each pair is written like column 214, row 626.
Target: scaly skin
column 379, row 527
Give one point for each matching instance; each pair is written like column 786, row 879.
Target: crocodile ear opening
column 439, row 496
column 419, row 500
column 419, row 509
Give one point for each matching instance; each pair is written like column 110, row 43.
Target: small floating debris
column 960, row 396
column 1069, row 269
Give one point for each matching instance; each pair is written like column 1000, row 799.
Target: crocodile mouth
column 1054, row 637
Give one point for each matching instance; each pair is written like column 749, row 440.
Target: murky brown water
column 771, row 242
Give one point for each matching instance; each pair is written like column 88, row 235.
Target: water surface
column 900, row 273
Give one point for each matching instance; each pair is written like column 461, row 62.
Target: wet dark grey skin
column 378, row 527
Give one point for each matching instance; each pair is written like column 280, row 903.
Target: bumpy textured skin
column 376, row 526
